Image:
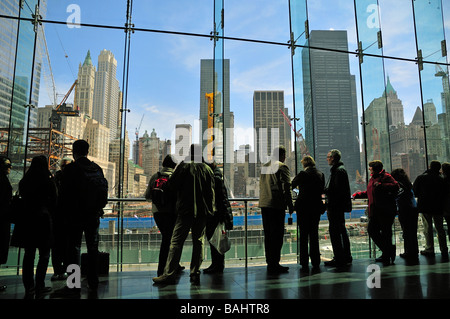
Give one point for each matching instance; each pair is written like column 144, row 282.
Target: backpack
column 159, row 191
column 96, row 189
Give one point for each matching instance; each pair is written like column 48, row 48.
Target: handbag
column 220, row 239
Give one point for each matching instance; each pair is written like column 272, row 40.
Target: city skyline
column 246, row 76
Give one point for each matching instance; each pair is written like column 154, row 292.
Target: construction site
column 49, row 141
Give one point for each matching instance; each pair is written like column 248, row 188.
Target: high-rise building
column 271, row 124
column 85, row 87
column 331, row 116
column 183, row 140
column 17, row 81
column 107, row 93
column 223, row 118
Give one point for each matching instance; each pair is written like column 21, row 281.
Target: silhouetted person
column 5, row 211
column 446, row 174
column 429, row 188
column 408, row 215
column 382, row 209
column 193, row 182
column 81, row 215
column 165, row 216
column 222, row 213
column 39, row 194
column 275, row 197
column 309, row 207
column 338, row 201
column 59, row 231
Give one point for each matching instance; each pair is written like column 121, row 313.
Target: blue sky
column 164, row 76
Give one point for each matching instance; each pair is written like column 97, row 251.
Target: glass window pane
column 99, row 12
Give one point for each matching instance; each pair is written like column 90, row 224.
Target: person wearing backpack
column 84, row 193
column 163, row 207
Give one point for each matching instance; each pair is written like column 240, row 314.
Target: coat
column 275, row 186
column 429, row 188
column 193, row 184
column 311, row 185
column 337, row 190
column 35, row 228
column 381, row 194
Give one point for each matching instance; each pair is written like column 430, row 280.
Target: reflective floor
column 364, row 279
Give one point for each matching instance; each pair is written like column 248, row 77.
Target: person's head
column 279, row 153
column 308, row 161
column 446, row 169
column 5, row 165
column 435, row 166
column 80, row 148
column 400, row 175
column 333, row 157
column 169, row 161
column 375, row 166
column 38, row 166
column 195, row 153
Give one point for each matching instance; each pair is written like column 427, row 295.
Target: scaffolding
column 51, row 143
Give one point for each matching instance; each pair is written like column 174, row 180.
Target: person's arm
column 285, row 178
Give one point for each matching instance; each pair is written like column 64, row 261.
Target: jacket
column 223, row 207
column 275, row 186
column 429, row 188
column 381, row 193
column 73, row 189
column 311, row 185
column 35, row 228
column 193, row 184
column 148, row 193
column 337, row 190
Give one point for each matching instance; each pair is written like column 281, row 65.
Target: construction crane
column 298, row 136
column 440, row 72
column 63, row 109
column 136, row 151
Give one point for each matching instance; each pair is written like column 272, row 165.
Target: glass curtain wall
column 147, row 78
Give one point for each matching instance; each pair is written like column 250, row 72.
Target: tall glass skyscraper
column 331, row 115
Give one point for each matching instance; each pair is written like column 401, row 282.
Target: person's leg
column 428, row 233
column 198, row 235
column 438, row 221
column 92, row 238
column 180, row 233
column 41, row 268
column 28, row 269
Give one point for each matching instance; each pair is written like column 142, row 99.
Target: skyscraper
column 223, row 118
column 183, row 140
column 107, row 93
column 85, row 86
column 270, row 117
column 331, row 117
